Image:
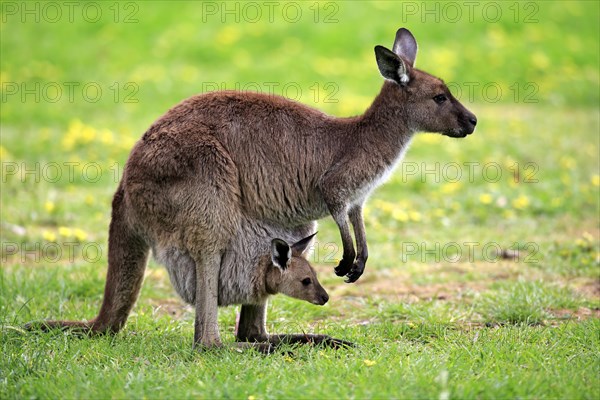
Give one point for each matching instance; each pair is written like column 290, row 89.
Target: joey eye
column 306, row 281
column 440, row 98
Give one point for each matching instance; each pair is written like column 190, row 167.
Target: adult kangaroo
column 219, row 159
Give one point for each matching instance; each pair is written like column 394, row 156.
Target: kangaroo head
column 428, row 104
column 289, row 272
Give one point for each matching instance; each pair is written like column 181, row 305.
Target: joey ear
column 405, row 46
column 281, row 253
column 301, row 245
column 391, row 66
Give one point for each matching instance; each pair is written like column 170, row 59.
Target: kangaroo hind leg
column 206, row 326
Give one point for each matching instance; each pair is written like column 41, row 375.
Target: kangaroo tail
column 127, row 258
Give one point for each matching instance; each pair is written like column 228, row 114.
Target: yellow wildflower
column 384, row 205
column 49, row 206
column 486, row 198
column 432, row 139
column 369, row 363
column 567, row 162
column 106, row 137
column 450, row 187
column 415, row 216
column 87, row 134
column 596, row 180
column 79, row 234
column 510, row 163
column 4, row 154
column 49, row 236
column 351, row 105
column 520, row 202
column 400, row 215
column 447, row 58
column 65, row 232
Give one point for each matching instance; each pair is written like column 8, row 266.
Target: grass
column 507, row 362
column 439, row 313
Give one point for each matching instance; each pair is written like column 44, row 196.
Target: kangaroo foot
column 207, row 342
column 268, row 345
column 206, row 336
column 344, row 266
column 310, row 339
column 261, row 347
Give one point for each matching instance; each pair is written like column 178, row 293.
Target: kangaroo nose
column 473, row 120
column 324, row 298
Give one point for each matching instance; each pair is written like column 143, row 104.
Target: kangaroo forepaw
column 355, row 272
column 344, row 266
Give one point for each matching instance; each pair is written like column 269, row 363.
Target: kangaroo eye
column 306, row 281
column 440, row 98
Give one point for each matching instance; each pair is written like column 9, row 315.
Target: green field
column 484, row 274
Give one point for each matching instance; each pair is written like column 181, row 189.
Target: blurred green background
column 81, row 82
column 173, row 50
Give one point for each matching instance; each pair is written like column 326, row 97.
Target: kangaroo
column 219, row 159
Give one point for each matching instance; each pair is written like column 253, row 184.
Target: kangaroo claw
column 343, row 267
column 356, row 272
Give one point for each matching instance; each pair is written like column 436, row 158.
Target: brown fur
column 224, row 160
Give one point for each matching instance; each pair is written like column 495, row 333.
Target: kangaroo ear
column 281, row 253
column 300, row 246
column 405, row 46
column 391, row 66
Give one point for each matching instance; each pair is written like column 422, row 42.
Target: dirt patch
column 401, row 286
column 581, row 313
column 590, row 289
column 435, row 291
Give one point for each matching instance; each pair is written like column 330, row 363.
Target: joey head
column 289, row 273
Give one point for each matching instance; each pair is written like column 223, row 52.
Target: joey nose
column 324, row 298
column 473, row 120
